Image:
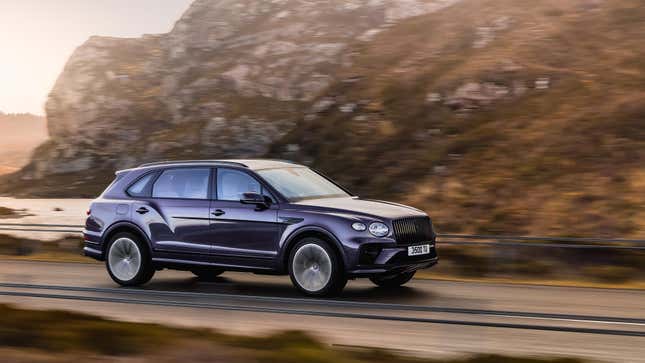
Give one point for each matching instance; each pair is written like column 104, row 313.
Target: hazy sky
column 37, row 37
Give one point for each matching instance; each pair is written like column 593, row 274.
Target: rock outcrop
column 229, row 79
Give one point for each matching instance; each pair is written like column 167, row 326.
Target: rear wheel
column 315, row 268
column 128, row 261
column 395, row 280
column 207, row 274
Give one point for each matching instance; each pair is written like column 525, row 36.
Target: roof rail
column 172, row 162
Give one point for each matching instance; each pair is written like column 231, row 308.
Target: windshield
column 301, row 183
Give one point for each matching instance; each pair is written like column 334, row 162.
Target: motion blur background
column 497, row 117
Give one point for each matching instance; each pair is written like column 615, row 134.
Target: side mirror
column 257, row 199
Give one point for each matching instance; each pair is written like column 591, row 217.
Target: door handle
column 218, row 213
column 143, row 210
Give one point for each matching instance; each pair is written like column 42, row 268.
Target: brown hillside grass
column 26, row 335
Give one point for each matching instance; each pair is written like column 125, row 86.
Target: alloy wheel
column 312, row 267
column 124, row 259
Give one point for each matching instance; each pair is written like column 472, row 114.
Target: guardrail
column 551, row 242
column 445, row 239
column 36, row 227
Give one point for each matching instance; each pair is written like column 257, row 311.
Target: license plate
column 418, row 250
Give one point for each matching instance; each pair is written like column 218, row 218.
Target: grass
column 25, row 247
column 542, row 265
column 65, row 334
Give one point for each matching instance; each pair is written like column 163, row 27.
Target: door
column 180, row 220
column 240, row 230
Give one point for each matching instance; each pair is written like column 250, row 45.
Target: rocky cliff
column 227, row 81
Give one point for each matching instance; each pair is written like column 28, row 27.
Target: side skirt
column 186, row 265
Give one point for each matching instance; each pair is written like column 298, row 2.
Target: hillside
column 496, row 116
column 20, row 134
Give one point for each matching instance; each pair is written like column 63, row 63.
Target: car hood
column 371, row 208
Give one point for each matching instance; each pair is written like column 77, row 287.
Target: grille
column 412, row 230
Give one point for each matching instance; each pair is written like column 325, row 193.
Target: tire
column 393, row 280
column 207, row 274
column 128, row 260
column 316, row 269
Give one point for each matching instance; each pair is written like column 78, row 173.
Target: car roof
column 253, row 164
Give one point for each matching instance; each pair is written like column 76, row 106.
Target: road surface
column 427, row 318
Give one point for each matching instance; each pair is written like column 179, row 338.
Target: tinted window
column 182, row 183
column 139, row 189
column 232, row 184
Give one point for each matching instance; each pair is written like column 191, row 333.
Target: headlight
column 358, row 226
column 379, row 229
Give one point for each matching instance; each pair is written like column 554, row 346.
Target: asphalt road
column 429, row 318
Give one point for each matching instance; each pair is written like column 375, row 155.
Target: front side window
column 185, row 183
column 300, row 183
column 232, row 184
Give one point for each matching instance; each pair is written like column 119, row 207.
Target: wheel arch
column 315, row 232
column 121, row 227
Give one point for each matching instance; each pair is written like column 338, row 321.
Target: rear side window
column 185, row 183
column 142, row 187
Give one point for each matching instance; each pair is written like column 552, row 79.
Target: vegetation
column 66, row 247
column 66, row 334
column 8, row 213
column 590, row 267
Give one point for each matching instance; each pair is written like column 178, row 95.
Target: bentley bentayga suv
column 261, row 216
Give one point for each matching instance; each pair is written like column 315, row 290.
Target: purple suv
column 261, row 216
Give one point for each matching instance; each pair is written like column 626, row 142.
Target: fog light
column 358, row 226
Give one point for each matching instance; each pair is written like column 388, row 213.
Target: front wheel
column 395, row 280
column 128, row 261
column 316, row 269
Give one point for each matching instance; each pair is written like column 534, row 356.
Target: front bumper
column 393, row 259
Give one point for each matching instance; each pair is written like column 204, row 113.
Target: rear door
column 239, row 231
column 178, row 212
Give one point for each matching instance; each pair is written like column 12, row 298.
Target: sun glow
column 37, row 37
